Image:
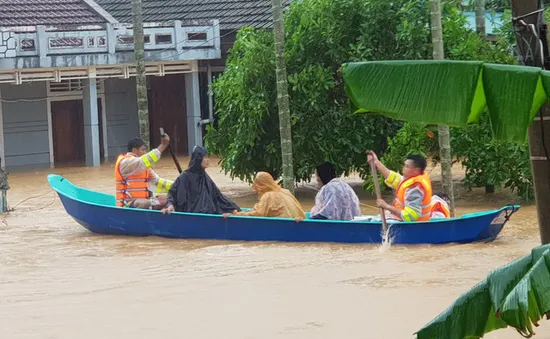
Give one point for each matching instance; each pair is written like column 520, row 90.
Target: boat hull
column 97, row 212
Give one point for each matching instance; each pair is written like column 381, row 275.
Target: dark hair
column 443, row 196
column 135, row 143
column 326, row 172
column 419, row 161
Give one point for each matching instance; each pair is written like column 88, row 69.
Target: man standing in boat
column 135, row 179
column 413, row 201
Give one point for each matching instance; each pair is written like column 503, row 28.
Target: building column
column 193, row 103
column 91, row 122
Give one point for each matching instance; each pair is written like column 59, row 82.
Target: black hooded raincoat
column 195, row 192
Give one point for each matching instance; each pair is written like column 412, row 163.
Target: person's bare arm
column 372, row 157
column 383, row 204
column 392, row 178
column 130, row 166
column 164, row 142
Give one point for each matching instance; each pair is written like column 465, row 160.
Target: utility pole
column 285, row 128
column 443, row 131
column 528, row 21
column 141, row 79
column 480, row 17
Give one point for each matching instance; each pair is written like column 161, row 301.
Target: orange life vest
column 422, row 180
column 441, row 208
column 133, row 187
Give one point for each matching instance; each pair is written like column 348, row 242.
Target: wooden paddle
column 379, row 196
column 172, row 153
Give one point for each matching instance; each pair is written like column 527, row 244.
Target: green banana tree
column 516, row 295
column 450, row 92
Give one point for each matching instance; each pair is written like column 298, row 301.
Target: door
column 68, row 131
column 167, row 109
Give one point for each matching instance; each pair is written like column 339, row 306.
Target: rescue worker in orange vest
column 135, row 179
column 413, row 201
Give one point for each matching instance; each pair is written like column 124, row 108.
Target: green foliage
column 516, row 295
column 487, row 161
column 492, row 162
column 466, row 44
column 243, row 96
column 320, row 36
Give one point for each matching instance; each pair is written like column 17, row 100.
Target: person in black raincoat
column 195, row 192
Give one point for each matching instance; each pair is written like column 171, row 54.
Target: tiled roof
column 233, row 14
column 47, row 12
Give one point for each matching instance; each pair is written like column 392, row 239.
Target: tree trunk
column 141, row 79
column 529, row 50
column 480, row 17
column 443, row 131
column 282, row 96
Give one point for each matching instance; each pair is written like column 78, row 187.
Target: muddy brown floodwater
column 59, row 281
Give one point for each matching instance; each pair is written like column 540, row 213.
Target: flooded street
column 57, row 280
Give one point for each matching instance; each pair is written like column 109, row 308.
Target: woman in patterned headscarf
column 274, row 201
column 336, row 200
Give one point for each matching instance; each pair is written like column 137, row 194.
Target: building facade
column 67, row 74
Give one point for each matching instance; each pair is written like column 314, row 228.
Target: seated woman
column 336, row 200
column 274, row 201
column 194, row 191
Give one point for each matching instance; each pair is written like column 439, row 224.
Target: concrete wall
column 52, row 47
column 121, row 113
column 25, row 124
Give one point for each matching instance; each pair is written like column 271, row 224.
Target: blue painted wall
column 25, row 124
column 121, row 113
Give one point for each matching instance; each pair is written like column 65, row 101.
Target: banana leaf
column 449, row 92
column 516, row 295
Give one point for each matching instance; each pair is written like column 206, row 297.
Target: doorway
column 167, row 109
column 68, row 131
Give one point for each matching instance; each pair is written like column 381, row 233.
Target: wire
column 30, row 198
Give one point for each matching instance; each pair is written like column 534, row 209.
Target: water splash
column 386, row 239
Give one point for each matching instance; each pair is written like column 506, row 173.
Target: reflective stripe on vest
column 133, row 187
column 424, row 181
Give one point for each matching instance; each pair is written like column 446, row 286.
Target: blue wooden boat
column 98, row 213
